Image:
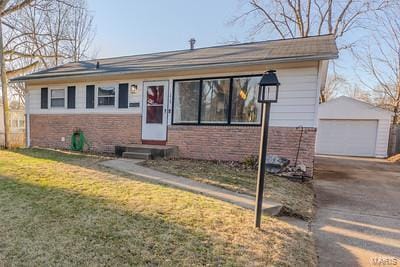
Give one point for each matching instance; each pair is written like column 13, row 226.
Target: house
column 204, row 101
column 351, row 127
column 17, row 127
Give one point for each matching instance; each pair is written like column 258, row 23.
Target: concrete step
column 137, row 155
column 156, row 151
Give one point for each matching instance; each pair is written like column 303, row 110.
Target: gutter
column 28, row 120
column 177, row 68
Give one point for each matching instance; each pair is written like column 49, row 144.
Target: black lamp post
column 267, row 94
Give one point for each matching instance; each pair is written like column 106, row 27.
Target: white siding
column 296, row 104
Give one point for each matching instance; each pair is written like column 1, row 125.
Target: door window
column 155, row 102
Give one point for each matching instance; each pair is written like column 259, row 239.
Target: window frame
column 51, row 97
column 97, row 96
column 199, row 123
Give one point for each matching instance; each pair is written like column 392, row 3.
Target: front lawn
column 297, row 198
column 64, row 209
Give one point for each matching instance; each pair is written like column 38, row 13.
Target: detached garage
column 350, row 127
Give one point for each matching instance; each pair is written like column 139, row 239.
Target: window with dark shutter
column 90, row 96
column 71, row 96
column 123, row 95
column 44, row 98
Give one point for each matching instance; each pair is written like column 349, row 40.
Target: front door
column 155, row 99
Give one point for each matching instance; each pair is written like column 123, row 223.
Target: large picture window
column 215, row 101
column 106, row 96
column 245, row 108
column 228, row 100
column 186, row 100
column 57, row 98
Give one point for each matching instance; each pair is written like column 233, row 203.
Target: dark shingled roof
column 275, row 51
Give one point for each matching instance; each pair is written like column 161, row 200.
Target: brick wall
column 103, row 132
column 237, row 142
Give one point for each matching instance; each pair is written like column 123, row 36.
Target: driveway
column 358, row 216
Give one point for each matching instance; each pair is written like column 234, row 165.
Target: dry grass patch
column 297, row 198
column 64, row 209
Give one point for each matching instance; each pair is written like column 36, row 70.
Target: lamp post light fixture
column 267, row 94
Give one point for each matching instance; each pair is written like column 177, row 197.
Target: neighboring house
column 351, row 127
column 17, row 127
column 202, row 100
column 17, row 119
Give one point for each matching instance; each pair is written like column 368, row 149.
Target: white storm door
column 155, row 100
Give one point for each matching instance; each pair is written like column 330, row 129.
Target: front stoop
column 142, row 151
column 242, row 200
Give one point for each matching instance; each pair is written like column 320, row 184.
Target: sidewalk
column 245, row 201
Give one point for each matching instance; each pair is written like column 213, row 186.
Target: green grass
column 64, row 209
column 297, row 198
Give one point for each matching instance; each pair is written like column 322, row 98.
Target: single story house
column 204, row 101
column 350, row 127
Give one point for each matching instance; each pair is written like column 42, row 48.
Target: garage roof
column 275, row 51
column 349, row 108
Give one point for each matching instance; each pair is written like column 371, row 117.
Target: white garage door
column 347, row 137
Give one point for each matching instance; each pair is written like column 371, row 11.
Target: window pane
column 106, row 101
column 57, row 93
column 186, row 101
column 155, row 95
column 154, row 114
column 215, row 101
column 106, row 91
column 57, row 102
column 245, row 108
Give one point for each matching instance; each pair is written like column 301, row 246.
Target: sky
column 128, row 27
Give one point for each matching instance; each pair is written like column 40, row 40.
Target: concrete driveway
column 358, row 216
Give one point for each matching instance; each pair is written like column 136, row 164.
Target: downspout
column 28, row 120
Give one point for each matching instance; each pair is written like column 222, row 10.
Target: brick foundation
column 238, row 142
column 235, row 143
column 103, row 132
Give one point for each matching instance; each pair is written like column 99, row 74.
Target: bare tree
column 302, row 18
column 380, row 61
column 334, row 84
column 38, row 34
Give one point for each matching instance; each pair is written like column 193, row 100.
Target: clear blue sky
column 127, row 27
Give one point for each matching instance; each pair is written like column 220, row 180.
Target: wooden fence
column 394, row 140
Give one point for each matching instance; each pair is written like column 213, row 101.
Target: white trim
column 321, row 82
column 116, row 93
column 50, row 98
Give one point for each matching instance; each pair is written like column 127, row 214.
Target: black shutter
column 90, row 96
column 71, row 96
column 123, row 95
column 44, row 98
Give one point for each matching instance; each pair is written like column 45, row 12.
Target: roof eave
column 185, row 68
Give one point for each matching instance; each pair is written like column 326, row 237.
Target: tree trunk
column 4, row 88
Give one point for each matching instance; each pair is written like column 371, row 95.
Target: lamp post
column 267, row 94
